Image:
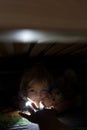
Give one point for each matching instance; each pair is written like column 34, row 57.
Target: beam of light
column 42, row 36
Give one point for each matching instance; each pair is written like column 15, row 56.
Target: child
column 35, row 84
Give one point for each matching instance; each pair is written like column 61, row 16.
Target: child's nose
column 37, row 99
column 38, row 95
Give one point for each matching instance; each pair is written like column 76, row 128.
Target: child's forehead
column 34, row 83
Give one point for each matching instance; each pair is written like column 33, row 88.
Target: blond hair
column 38, row 73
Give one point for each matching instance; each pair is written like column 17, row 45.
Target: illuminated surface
column 30, row 35
column 10, row 119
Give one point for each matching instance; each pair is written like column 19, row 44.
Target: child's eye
column 32, row 90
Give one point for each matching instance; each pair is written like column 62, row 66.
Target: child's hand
column 46, row 118
column 38, row 115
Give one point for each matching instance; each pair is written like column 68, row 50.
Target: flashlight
column 28, row 104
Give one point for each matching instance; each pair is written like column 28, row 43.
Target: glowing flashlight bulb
column 27, row 104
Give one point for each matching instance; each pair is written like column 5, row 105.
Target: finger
column 34, row 106
column 43, row 103
column 51, row 107
column 30, row 107
column 42, row 106
column 24, row 115
column 28, row 117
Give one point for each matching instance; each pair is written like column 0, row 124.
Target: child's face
column 37, row 90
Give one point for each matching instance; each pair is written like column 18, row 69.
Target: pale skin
column 38, row 91
column 46, row 118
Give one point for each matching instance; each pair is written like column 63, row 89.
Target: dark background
column 11, row 69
